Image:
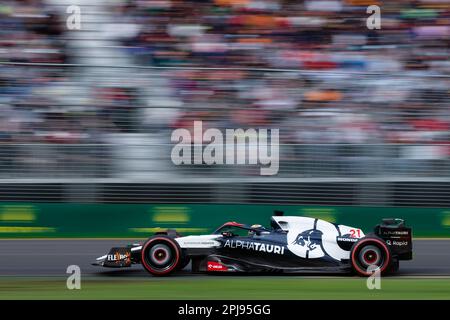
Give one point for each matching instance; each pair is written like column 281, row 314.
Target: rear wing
column 397, row 236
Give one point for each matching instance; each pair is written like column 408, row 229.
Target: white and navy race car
column 292, row 244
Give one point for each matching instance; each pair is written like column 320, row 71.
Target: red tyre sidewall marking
column 148, row 267
column 385, row 248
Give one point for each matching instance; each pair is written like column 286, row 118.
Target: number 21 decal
column 355, row 233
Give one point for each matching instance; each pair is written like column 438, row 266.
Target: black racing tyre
column 161, row 255
column 370, row 251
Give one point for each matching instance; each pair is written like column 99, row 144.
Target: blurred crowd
column 336, row 99
column 336, row 80
column 30, row 32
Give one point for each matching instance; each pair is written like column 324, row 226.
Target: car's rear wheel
column 368, row 253
column 160, row 255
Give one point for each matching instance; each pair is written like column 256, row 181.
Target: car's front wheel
column 161, row 255
column 368, row 254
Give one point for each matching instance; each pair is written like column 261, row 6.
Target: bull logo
column 310, row 239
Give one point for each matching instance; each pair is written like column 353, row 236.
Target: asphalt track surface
column 21, row 258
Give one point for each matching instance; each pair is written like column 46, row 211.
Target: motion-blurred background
column 86, row 115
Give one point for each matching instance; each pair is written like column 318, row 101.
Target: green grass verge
column 225, row 288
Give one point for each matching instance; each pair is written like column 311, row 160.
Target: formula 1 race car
column 292, row 244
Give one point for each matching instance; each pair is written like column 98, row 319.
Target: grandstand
column 363, row 114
